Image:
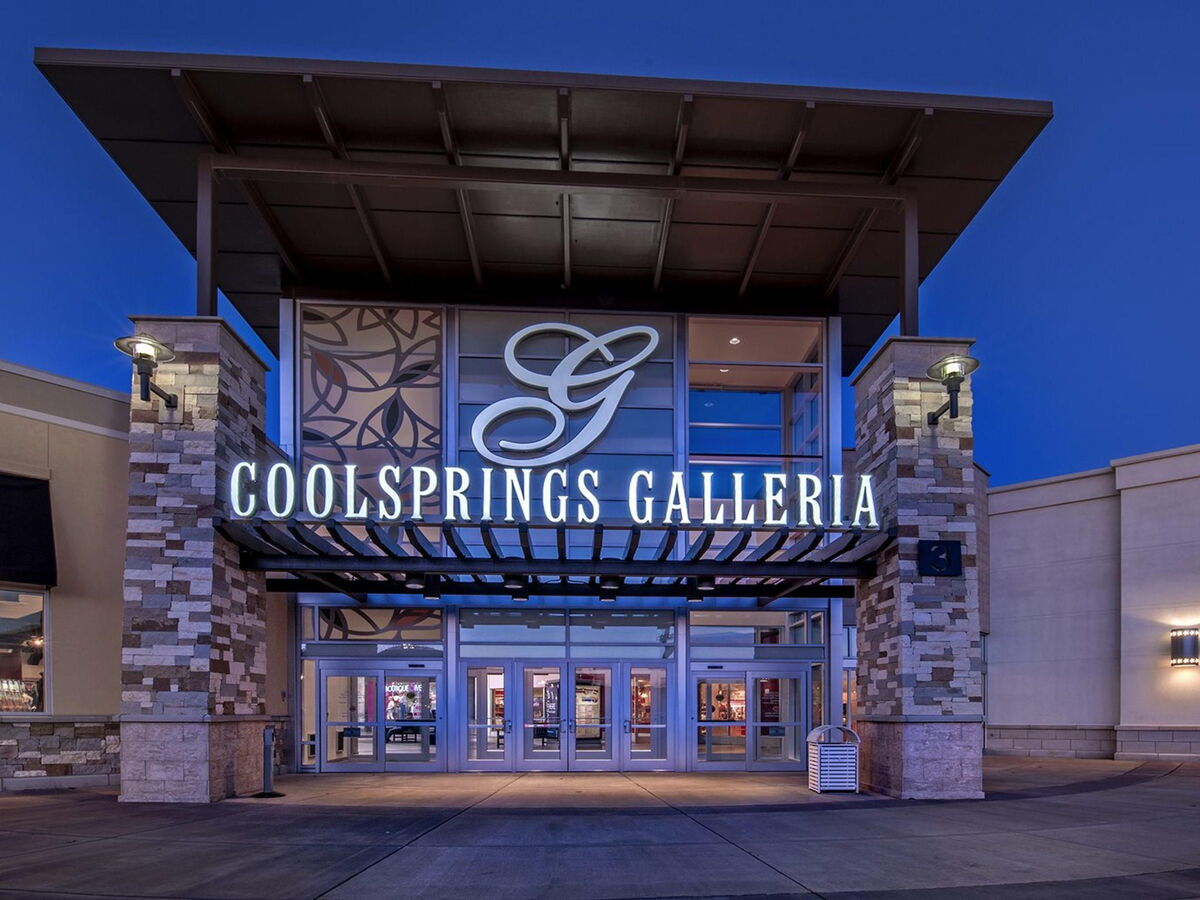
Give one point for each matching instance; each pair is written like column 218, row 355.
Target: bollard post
column 268, row 764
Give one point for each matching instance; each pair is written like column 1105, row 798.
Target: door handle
column 626, row 725
column 570, row 726
column 508, row 726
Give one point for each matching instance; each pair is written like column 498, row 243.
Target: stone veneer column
column 193, row 656
column 920, row 678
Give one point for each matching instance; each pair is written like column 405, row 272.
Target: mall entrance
column 503, row 689
column 586, row 717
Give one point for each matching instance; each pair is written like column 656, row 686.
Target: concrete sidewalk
column 1054, row 828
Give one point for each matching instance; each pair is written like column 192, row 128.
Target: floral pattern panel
column 371, row 387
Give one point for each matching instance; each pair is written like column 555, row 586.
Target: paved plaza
column 1049, row 828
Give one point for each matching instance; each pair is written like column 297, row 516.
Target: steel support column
column 910, row 269
column 206, row 238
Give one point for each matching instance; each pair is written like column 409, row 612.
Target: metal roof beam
column 211, row 128
column 309, row 582
column 784, row 173
column 683, row 124
column 320, row 108
column 455, row 157
column 899, row 162
column 551, row 567
column 496, row 178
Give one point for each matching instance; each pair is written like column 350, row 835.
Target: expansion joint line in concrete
column 683, row 812
column 434, row 827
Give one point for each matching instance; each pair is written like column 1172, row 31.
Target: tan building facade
column 73, row 436
column 1090, row 573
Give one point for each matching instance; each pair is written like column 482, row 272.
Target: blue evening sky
column 1077, row 279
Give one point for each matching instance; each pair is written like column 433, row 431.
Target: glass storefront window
column 518, row 626
column 382, row 623
column 618, row 627
column 22, row 651
column 736, row 627
column 728, row 339
column 755, row 403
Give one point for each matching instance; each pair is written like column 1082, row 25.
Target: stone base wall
column 1169, row 742
column 1056, row 741
column 922, row 760
column 58, row 752
column 191, row 761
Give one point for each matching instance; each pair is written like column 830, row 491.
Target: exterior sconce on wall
column 146, row 354
column 950, row 371
column 1185, row 646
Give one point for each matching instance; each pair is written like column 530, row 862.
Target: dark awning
column 631, row 219
column 26, row 532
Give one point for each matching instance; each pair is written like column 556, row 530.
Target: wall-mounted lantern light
column 950, row 371
column 1185, row 646
column 146, row 354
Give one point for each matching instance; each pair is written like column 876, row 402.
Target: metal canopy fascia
column 280, row 65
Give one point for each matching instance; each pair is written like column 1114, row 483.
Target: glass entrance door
column 350, row 713
column 560, row 716
column 755, row 719
column 777, row 727
column 720, row 720
column 490, row 708
column 645, row 737
column 542, row 718
column 410, row 733
column 379, row 718
column 590, row 732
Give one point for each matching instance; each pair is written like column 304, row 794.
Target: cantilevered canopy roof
column 375, row 180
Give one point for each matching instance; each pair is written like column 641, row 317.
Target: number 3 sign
column 939, row 558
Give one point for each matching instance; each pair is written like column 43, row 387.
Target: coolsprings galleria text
column 521, row 494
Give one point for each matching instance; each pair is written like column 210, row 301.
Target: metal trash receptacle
column 833, row 765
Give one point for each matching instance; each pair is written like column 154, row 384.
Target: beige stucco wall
column 280, row 629
column 72, row 434
column 1160, row 584
column 1054, row 642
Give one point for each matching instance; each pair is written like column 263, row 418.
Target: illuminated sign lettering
column 326, row 491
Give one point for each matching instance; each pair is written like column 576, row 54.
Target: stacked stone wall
column 920, row 666
column 1057, row 741
column 1166, row 742
column 194, row 647
column 56, row 753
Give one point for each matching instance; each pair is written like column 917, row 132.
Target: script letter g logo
column 558, row 386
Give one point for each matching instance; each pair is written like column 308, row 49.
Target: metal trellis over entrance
column 560, row 560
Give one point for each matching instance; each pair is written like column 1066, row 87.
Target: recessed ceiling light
column 735, row 340
column 722, row 370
